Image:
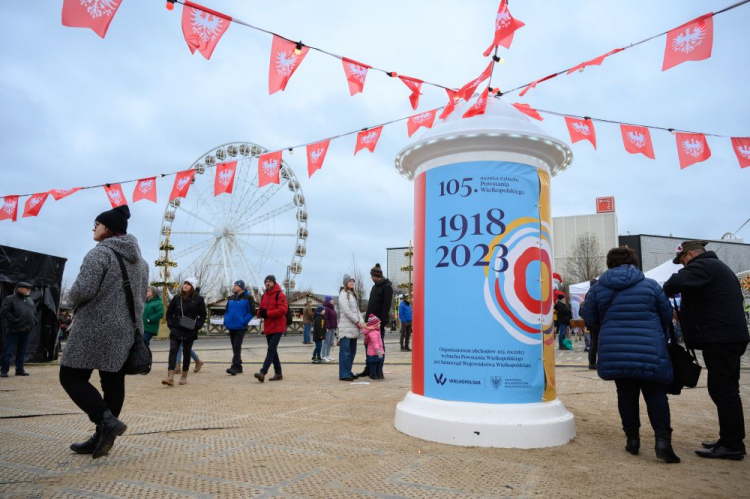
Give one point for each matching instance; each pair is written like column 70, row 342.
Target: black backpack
column 288, row 310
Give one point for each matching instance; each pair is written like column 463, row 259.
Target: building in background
column 653, row 250
column 566, row 231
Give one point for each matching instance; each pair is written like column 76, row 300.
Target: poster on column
column 484, row 264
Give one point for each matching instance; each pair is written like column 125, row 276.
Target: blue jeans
column 316, row 351
column 376, row 366
column 561, row 332
column 328, row 343
column 192, row 354
column 147, row 338
column 14, row 342
column 306, row 333
column 347, row 352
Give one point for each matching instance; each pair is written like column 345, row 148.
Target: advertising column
column 485, row 292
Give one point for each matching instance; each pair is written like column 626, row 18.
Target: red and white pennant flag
column 692, row 41
column 94, row 14
column 58, row 194
column 594, row 62
column 692, row 148
column 414, row 85
column 479, row 106
column 637, row 139
column 182, row 183
column 203, row 28
column 285, row 59
column 115, row 195
column 505, row 26
column 356, row 73
column 9, row 208
column 34, row 204
column 224, row 181
column 316, row 154
column 467, row 91
column 741, row 146
column 417, row 121
column 581, row 129
column 453, row 97
column 268, row 168
column 368, row 139
column 528, row 111
column 145, row 189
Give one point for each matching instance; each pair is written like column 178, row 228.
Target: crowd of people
column 627, row 315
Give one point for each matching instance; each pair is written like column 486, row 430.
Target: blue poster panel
column 483, row 296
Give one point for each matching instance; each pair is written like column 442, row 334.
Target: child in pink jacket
column 374, row 346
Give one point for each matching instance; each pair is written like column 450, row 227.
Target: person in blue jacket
column 240, row 311
column 404, row 315
column 631, row 314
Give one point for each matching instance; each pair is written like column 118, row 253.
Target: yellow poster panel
column 548, row 349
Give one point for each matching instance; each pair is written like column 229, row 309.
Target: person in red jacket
column 273, row 307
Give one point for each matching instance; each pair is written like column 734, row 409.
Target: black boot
column 633, row 440
column 109, row 429
column 88, row 446
column 664, row 447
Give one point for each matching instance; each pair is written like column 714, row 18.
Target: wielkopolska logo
column 440, row 380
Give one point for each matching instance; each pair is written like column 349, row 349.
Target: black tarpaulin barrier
column 44, row 273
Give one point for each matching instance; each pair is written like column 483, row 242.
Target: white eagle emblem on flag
column 99, row 8
column 225, row 177
column 358, row 72
column 207, row 26
column 369, row 137
column 692, row 147
column 503, row 19
column 421, row 118
column 638, row 139
column 316, row 154
column 582, row 128
column 689, row 40
column 285, row 63
column 182, row 183
column 9, row 205
column 744, row 151
column 114, row 196
column 270, row 167
column 145, row 186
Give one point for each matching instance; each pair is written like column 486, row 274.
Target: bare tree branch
column 586, row 261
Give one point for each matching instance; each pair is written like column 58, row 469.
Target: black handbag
column 685, row 365
column 139, row 358
column 185, row 321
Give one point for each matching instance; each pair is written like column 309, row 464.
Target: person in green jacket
column 153, row 311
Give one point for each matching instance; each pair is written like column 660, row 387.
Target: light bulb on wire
column 298, row 48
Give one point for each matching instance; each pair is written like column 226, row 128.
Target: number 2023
column 460, row 256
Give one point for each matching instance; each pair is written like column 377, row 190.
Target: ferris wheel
column 246, row 235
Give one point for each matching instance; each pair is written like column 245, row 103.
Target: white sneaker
column 327, row 359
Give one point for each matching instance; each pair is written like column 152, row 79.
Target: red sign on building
column 605, row 205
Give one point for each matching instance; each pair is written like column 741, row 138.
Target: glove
column 262, row 313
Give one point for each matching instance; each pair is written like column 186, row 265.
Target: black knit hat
column 376, row 271
column 271, row 278
column 115, row 219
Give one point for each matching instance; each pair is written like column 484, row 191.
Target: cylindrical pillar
column 483, row 348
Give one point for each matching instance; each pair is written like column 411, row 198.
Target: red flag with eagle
column 356, row 73
column 414, row 85
column 58, row 194
column 94, row 14
column 203, row 28
column 368, row 139
column 285, row 60
column 594, row 62
column 268, row 168
column 467, row 91
column 224, row 181
column 741, row 146
column 9, row 208
column 34, row 204
column 581, row 129
column 115, row 195
column 479, row 106
column 453, row 97
column 637, row 139
column 182, row 183
column 316, row 154
column 417, row 121
column 692, row 148
column 145, row 189
column 690, row 42
column 528, row 111
column 505, row 26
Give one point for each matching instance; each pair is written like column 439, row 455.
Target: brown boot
column 169, row 380
column 178, row 370
column 276, row 377
column 183, row 378
column 198, row 364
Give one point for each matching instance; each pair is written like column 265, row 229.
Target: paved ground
column 314, row 436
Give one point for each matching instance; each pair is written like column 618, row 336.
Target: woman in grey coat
column 102, row 331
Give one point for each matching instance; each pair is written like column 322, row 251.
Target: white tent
column 659, row 274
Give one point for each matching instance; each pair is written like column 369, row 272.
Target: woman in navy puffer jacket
column 631, row 314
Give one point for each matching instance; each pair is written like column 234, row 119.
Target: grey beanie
column 347, row 278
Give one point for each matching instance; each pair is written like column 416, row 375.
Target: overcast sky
column 79, row 110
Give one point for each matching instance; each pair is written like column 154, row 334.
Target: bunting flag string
column 692, row 148
column 691, row 41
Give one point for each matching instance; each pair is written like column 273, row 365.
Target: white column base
column 525, row 426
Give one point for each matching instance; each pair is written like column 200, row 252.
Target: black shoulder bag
column 139, row 358
column 684, row 362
